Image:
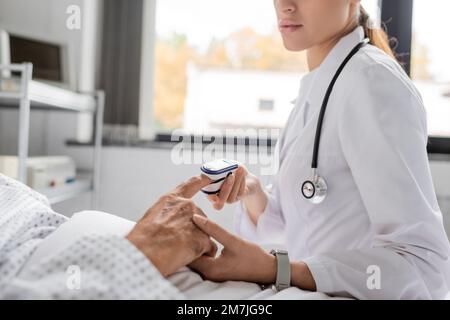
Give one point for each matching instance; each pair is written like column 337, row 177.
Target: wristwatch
column 283, row 269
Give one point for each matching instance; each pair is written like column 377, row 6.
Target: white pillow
column 81, row 224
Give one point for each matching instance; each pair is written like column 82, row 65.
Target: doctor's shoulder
column 379, row 81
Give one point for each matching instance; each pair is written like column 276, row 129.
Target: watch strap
column 283, row 269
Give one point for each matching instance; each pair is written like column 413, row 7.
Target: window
column 430, row 63
column 216, row 58
column 266, row 105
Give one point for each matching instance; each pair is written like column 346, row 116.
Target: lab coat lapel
column 322, row 79
column 329, row 67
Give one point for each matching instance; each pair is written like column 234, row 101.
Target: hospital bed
column 187, row 281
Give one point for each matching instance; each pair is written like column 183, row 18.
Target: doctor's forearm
column 301, row 277
column 255, row 204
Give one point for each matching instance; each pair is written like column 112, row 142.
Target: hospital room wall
column 46, row 20
column 132, row 179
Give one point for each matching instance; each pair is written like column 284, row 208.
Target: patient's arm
column 94, row 267
column 90, row 268
column 167, row 235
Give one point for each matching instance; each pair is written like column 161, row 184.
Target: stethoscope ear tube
column 315, row 190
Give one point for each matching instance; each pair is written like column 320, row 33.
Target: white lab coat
column 381, row 215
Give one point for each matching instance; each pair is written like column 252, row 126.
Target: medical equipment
column 42, row 172
column 49, row 56
column 315, row 189
column 217, row 171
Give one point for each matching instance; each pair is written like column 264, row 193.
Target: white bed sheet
column 188, row 282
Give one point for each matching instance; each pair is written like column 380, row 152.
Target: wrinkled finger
column 199, row 212
column 190, row 188
column 212, row 251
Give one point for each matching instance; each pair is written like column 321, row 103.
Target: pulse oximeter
column 217, row 171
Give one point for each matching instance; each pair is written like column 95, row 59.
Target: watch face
column 308, row 189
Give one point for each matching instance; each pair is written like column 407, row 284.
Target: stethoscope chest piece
column 315, row 190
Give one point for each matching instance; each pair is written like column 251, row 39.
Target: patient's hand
column 167, row 235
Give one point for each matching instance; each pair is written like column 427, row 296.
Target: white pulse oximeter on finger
column 217, row 171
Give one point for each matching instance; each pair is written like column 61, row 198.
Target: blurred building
column 223, row 99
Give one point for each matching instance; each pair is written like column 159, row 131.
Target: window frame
column 400, row 29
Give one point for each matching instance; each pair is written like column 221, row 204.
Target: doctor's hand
column 241, row 260
column 242, row 186
column 167, row 236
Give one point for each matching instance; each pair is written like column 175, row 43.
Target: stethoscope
column 315, row 189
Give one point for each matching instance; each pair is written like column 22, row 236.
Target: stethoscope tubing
column 317, row 183
column 326, row 99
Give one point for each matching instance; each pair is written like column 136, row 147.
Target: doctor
column 365, row 223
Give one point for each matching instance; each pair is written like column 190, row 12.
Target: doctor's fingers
column 213, row 198
column 232, row 189
column 239, row 181
column 225, row 192
column 206, row 266
column 212, row 229
column 211, row 247
column 242, row 189
column 191, row 187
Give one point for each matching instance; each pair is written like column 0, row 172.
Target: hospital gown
column 110, row 267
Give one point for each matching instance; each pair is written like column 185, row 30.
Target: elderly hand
column 244, row 261
column 167, row 236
